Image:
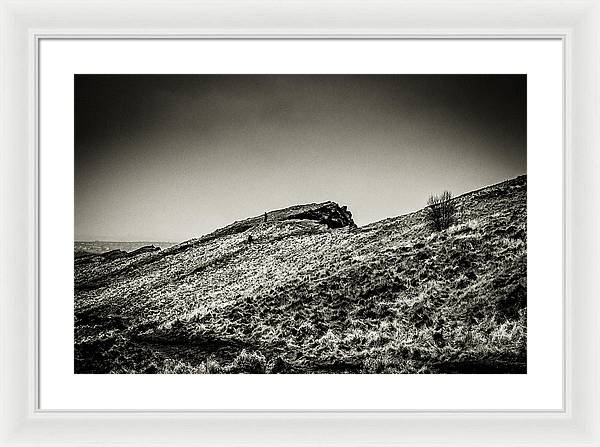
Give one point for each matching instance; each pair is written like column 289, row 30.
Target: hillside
column 313, row 293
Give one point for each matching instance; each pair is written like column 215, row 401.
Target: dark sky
column 170, row 157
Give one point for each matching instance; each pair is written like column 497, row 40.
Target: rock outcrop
column 329, row 214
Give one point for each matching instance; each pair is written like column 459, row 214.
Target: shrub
column 249, row 363
column 213, row 367
column 441, row 211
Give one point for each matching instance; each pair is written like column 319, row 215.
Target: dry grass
column 391, row 297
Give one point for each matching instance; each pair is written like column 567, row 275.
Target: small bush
column 441, row 211
column 213, row 367
column 249, row 363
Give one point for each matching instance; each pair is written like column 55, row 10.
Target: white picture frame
column 23, row 24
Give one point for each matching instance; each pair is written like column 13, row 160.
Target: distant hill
column 97, row 247
column 306, row 291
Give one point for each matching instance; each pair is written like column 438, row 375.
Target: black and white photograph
column 300, row 224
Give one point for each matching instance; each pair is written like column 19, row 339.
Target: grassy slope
column 388, row 297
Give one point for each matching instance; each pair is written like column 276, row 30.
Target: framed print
column 288, row 249
column 282, row 226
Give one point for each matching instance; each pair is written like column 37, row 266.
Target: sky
column 172, row 157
